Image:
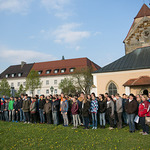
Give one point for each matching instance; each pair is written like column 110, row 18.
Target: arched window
column 112, row 89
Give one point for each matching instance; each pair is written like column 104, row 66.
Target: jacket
column 75, row 108
column 20, row 102
column 6, row 106
column 144, row 109
column 64, row 106
column 102, row 106
column 131, row 107
column 10, row 105
column 119, row 107
column 94, row 106
column 55, row 105
column 41, row 103
column 86, row 109
column 26, row 105
column 47, row 108
column 33, row 107
column 110, row 108
column 15, row 105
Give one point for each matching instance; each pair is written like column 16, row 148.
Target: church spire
column 144, row 11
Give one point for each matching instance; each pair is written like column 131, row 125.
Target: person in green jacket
column 10, row 108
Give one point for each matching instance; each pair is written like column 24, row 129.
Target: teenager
column 10, row 107
column 33, row 110
column 41, row 109
column 15, row 110
column 47, row 111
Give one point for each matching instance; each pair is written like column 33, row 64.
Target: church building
column 130, row 73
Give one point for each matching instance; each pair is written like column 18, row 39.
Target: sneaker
column 145, row 133
column 74, row 127
column 13, row 121
column 111, row 128
column 141, row 132
column 28, row 122
column 93, row 128
column 16, row 121
column 25, row 122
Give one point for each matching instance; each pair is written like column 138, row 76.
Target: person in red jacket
column 143, row 111
column 74, row 111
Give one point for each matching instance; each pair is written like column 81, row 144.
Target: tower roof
column 144, row 11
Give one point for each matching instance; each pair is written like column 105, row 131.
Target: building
column 51, row 73
column 130, row 73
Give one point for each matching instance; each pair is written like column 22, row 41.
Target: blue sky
column 44, row 30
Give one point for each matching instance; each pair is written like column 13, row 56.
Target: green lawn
column 24, row 136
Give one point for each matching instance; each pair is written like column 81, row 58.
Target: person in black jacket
column 102, row 105
column 15, row 110
column 55, row 105
column 41, row 109
column 85, row 113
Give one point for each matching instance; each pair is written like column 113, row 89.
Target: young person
column 2, row 109
column 15, row 110
column 74, row 111
column 33, row 110
column 41, row 109
column 6, row 110
column 94, row 109
column 47, row 110
column 55, row 107
column 64, row 110
column 10, row 108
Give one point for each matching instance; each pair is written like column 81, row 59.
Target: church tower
column 139, row 33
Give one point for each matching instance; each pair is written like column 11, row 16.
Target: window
column 19, row 74
column 72, row 69
column 56, row 70
column 39, row 72
column 48, row 71
column 18, row 83
column 7, row 76
column 55, row 91
column 55, row 81
column 12, row 84
column 13, row 75
column 47, row 91
column 63, row 70
column 24, row 83
column 38, row 92
column 47, row 82
column 112, row 89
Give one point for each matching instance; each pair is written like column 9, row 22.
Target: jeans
column 119, row 120
column 27, row 116
column 15, row 115
column 125, row 117
column 131, row 122
column 42, row 118
column 86, row 120
column 65, row 117
column 22, row 116
column 2, row 115
column 6, row 115
column 33, row 117
column 145, row 127
column 102, row 119
column 55, row 117
column 75, row 120
column 48, row 117
column 94, row 119
column 10, row 115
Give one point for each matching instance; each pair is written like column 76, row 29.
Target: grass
column 42, row 136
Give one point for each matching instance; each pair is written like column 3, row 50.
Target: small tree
column 20, row 91
column 5, row 87
column 67, row 86
column 33, row 81
column 83, row 79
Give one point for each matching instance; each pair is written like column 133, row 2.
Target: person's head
column 62, row 94
column 26, row 96
column 117, row 96
column 149, row 94
column 144, row 98
column 42, row 97
column 74, row 99
column 106, row 95
column 11, row 98
column 22, row 96
column 101, row 97
column 64, row 98
column 47, row 100
column 16, row 98
column 82, row 94
column 48, row 97
column 4, row 96
column 93, row 95
column 88, row 96
column 32, row 99
column 124, row 96
column 131, row 96
column 109, row 98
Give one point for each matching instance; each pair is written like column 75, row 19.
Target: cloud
column 15, row 6
column 16, row 56
column 69, row 34
column 97, row 33
column 58, row 7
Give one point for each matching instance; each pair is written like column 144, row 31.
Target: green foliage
column 67, row 86
column 83, row 79
column 20, row 91
column 5, row 88
column 33, row 81
column 46, row 137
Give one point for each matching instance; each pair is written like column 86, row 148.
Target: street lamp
column 51, row 88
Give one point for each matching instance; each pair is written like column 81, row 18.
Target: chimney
column 22, row 64
column 63, row 58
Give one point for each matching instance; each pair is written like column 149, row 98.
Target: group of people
column 85, row 110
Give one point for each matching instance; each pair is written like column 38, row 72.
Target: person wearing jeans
column 131, row 108
column 94, row 109
column 10, row 108
column 102, row 106
column 55, row 104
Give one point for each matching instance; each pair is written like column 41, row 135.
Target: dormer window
column 63, row 70
column 56, row 70
column 19, row 74
column 39, row 72
column 13, row 75
column 48, row 71
column 7, row 76
column 72, row 69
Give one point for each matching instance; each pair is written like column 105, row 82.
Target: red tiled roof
column 143, row 80
column 67, row 64
column 144, row 11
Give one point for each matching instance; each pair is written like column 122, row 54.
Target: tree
column 5, row 87
column 67, row 86
column 20, row 91
column 33, row 81
column 83, row 79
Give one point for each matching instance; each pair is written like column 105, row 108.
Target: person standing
column 10, row 108
column 41, row 109
column 33, row 110
column 124, row 114
column 15, row 110
column 47, row 110
column 6, row 110
column 55, row 105
column 131, row 108
column 119, row 110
